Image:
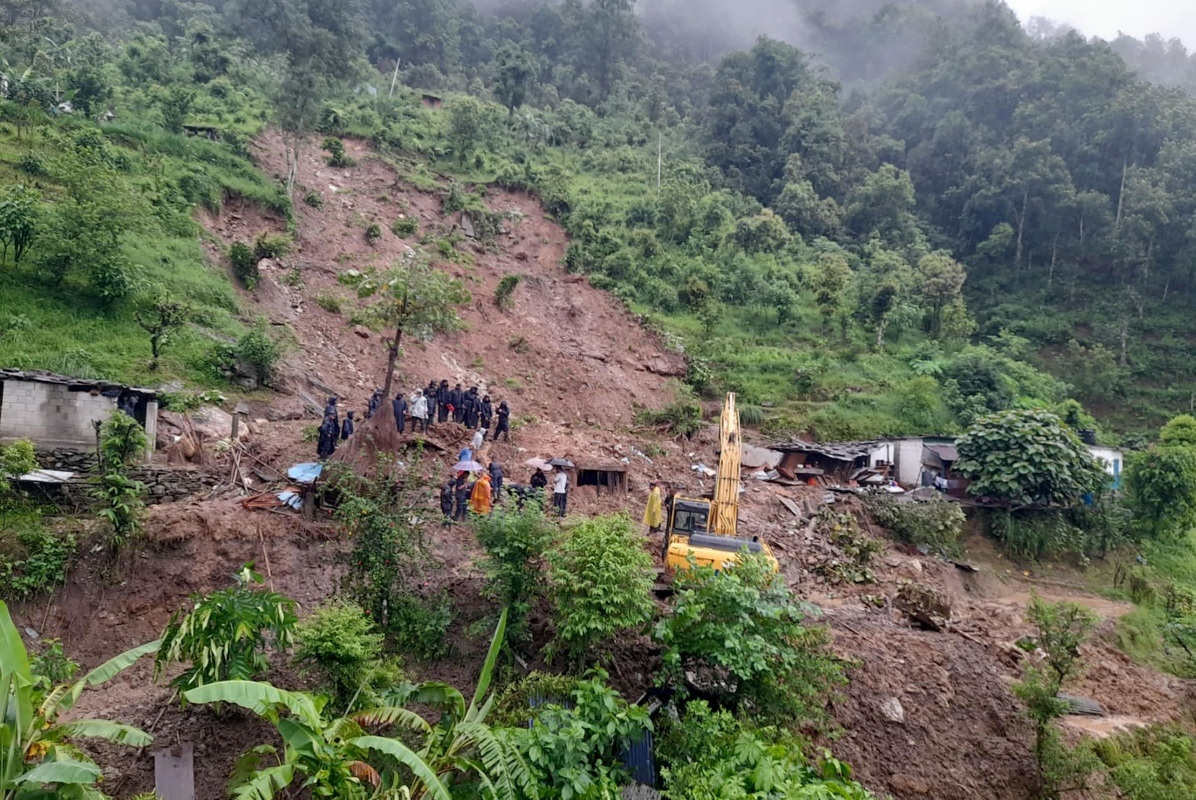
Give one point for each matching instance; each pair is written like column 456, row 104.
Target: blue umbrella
column 467, row 466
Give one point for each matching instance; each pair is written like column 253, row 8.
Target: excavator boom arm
column 725, row 508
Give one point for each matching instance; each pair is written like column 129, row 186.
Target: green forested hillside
column 983, row 219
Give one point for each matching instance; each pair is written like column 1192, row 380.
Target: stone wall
column 163, row 484
column 50, row 414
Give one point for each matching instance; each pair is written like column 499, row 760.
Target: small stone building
column 58, row 412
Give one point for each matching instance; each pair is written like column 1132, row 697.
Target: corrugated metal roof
column 946, row 452
column 840, row 451
column 41, row 376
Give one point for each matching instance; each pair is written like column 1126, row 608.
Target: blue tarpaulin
column 306, row 472
column 289, row 498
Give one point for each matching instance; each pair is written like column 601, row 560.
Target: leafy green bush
column 707, row 754
column 682, row 417
column 313, row 198
column 741, row 635
column 337, row 156
column 1026, row 458
column 601, row 583
column 373, row 233
column 1062, row 628
column 936, row 523
column 1160, row 488
column 419, row 624
column 515, row 543
column 503, row 295
column 331, row 303
column 259, row 351
column 1152, row 763
column 121, row 507
column 272, row 246
column 405, row 227
column 16, row 458
column 225, row 636
column 244, row 264
column 33, row 557
column 340, row 644
column 577, row 751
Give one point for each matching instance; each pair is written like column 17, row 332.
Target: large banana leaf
column 266, row 785
column 392, row 715
column 106, row 672
column 258, row 697
column 66, row 770
column 114, row 732
column 300, row 738
column 438, row 695
column 408, row 758
column 488, row 669
column 16, row 702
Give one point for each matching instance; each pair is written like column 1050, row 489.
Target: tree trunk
column 880, row 333
column 1125, row 166
column 1054, row 255
column 391, row 358
column 1123, row 360
column 1021, row 227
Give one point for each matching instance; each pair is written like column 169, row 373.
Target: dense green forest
column 923, row 213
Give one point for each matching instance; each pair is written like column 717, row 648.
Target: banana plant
column 36, row 758
column 462, row 744
column 337, row 758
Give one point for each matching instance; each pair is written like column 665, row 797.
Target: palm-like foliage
column 36, row 759
column 225, row 635
column 337, row 758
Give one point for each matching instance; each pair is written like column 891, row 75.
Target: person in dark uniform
column 447, row 495
column 443, row 393
column 485, row 414
column 496, row 479
column 400, row 406
column 504, row 422
column 433, row 405
column 462, row 489
column 329, row 431
column 330, row 409
column 457, row 401
column 375, row 401
column 349, row 426
column 473, row 408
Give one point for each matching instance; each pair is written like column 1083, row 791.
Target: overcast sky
column 1104, row 18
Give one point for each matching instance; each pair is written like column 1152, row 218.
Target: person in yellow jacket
column 653, row 513
column 481, row 501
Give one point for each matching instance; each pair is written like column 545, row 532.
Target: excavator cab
column 688, row 535
column 704, row 530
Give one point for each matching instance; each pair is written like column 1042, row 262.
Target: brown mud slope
column 564, row 352
column 579, row 365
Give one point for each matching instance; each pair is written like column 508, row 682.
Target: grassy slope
column 65, row 329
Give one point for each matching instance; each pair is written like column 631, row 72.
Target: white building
column 56, row 411
column 1111, row 459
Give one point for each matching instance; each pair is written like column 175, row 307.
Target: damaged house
column 832, row 463
column 60, row 412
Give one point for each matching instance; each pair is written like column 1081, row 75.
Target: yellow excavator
column 704, row 530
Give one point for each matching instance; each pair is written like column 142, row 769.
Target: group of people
column 462, row 495
column 440, row 404
column 434, row 404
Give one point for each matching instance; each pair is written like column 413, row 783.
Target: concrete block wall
column 50, row 414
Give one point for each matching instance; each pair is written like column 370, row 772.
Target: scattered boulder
column 924, row 605
column 892, row 710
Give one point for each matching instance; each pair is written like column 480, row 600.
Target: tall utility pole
column 659, row 160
